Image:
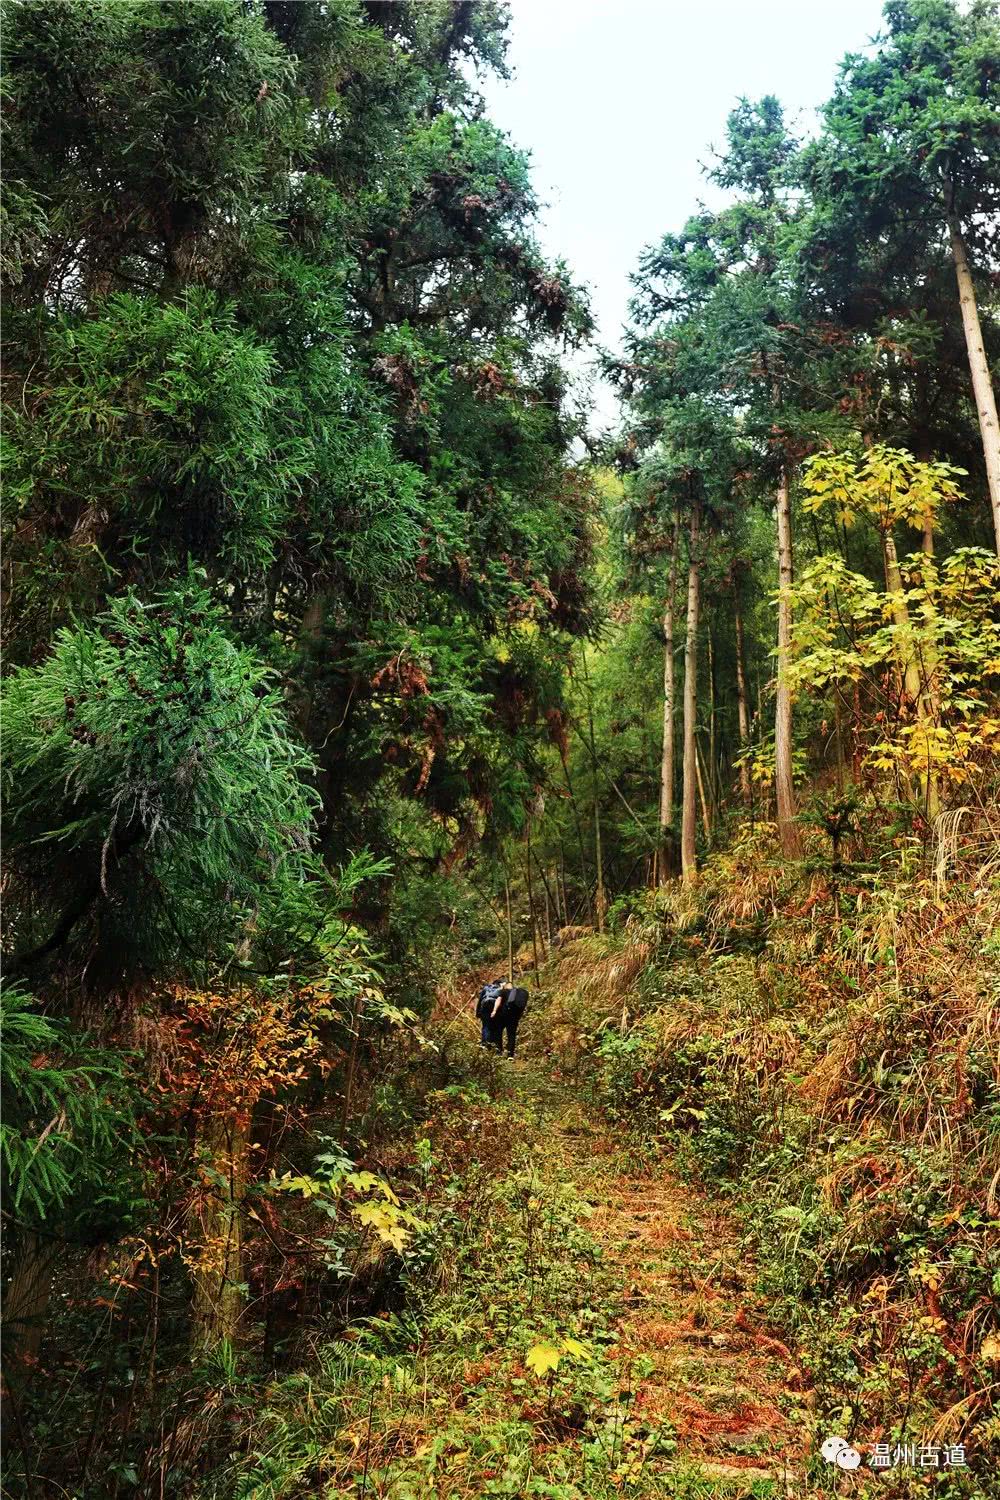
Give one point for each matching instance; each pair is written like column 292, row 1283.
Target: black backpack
column 515, row 1004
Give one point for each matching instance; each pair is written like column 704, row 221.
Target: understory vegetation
column 835, row 1076
column 347, row 666
column 491, row 1372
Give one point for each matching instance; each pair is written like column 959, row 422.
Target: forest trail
column 715, row 1395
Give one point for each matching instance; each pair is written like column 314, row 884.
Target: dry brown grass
column 591, row 985
column 927, row 1001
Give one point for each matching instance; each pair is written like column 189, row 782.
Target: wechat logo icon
column 836, row 1451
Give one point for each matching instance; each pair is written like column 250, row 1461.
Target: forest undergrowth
column 827, row 1061
column 739, row 1195
column 567, row 1326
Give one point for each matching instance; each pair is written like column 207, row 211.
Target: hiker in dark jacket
column 513, row 1003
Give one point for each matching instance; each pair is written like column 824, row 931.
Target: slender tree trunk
column 706, row 815
column 743, row 715
column 599, row 765
column 982, row 383
column 531, row 904
column 689, row 861
column 510, row 926
column 663, row 863
column 723, row 767
column 551, row 903
column 217, row 1226
column 599, row 901
column 584, row 879
column 927, row 538
column 711, row 770
column 352, row 1063
column 784, row 790
column 548, row 904
column 929, row 677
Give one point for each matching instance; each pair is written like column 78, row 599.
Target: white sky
column 619, row 101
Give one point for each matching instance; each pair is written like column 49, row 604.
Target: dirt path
column 726, row 1387
column 562, row 1246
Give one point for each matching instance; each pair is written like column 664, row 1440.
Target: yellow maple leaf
column 542, row 1358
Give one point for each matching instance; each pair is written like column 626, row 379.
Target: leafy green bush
column 155, row 796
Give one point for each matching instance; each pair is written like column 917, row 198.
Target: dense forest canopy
column 343, row 656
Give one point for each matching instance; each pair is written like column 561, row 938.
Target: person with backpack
column 513, row 1004
column 487, row 1011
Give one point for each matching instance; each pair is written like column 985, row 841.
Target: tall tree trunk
column 742, row 711
column 712, row 769
column 531, row 904
column 599, row 901
column 510, row 926
column 663, row 863
column 982, row 383
column 217, row 1227
column 706, row 815
column 784, row 791
column 689, row 861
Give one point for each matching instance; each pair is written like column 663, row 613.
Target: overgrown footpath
column 739, row 1195
column 573, row 1326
